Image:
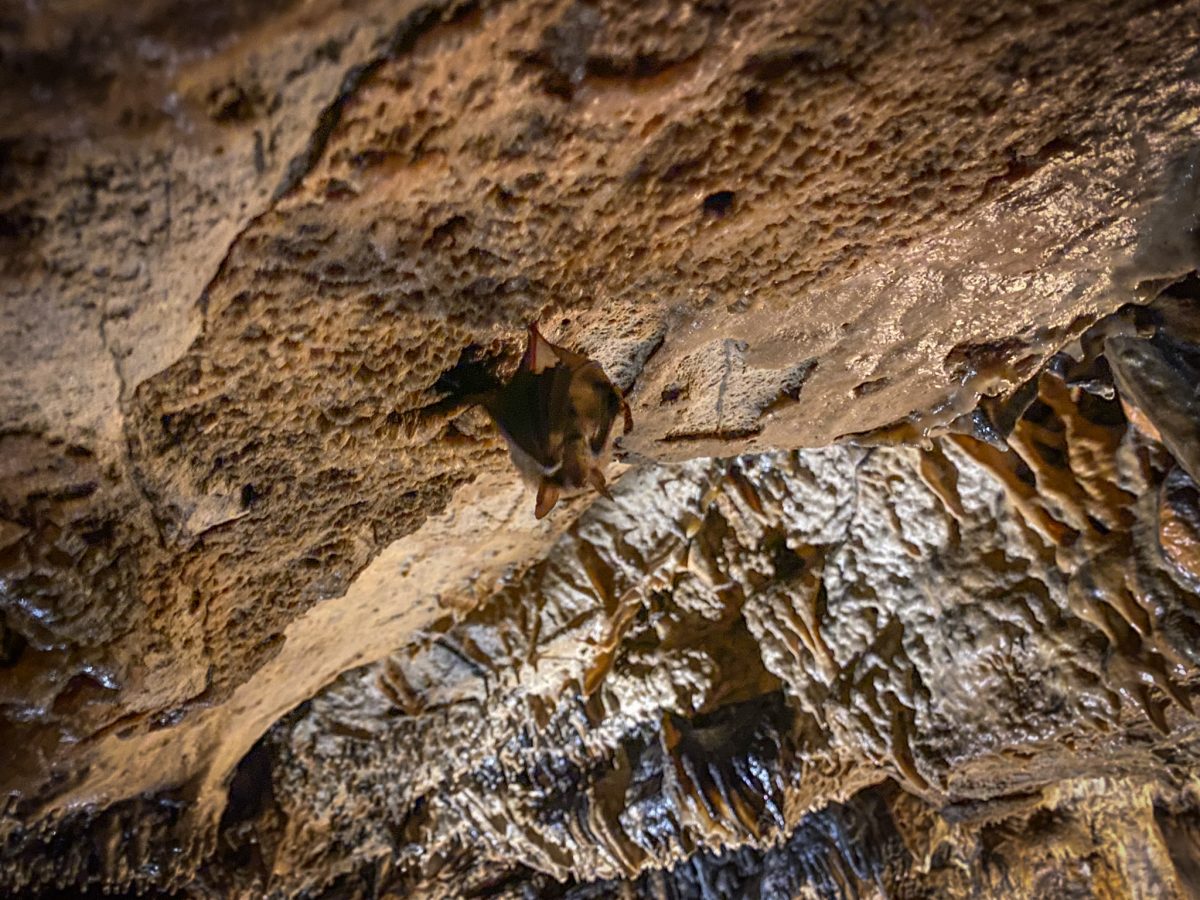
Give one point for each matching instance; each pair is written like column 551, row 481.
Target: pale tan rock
column 240, row 245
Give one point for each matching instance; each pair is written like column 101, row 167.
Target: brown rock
column 242, row 244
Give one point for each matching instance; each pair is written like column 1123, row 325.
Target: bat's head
column 595, row 404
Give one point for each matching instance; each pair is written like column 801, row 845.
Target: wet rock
column 866, row 543
column 1163, row 391
column 1179, row 523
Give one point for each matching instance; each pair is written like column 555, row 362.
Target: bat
column 557, row 415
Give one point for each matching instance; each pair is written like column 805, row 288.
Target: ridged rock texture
column 897, row 592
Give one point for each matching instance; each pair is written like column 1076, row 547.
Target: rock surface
column 898, row 589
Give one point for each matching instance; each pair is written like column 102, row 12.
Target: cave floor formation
column 897, row 593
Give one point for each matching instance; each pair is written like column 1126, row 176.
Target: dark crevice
column 250, row 789
column 468, row 380
column 834, row 853
column 719, row 204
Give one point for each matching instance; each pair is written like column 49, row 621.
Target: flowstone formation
column 955, row 668
column 897, row 594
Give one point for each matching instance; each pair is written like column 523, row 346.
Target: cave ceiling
column 896, row 591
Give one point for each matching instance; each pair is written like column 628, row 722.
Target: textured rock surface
column 793, row 629
column 241, row 247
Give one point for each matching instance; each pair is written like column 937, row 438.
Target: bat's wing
column 518, row 414
column 547, row 496
column 545, row 381
column 533, row 413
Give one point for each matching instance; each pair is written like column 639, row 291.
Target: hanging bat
column 556, row 415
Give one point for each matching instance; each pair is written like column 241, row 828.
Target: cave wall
column 984, row 651
column 243, row 525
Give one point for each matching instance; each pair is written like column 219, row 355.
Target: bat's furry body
column 557, row 415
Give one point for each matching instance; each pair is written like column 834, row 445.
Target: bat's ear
column 627, row 413
column 540, row 355
column 547, row 496
column 596, row 479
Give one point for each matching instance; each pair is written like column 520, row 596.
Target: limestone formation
column 896, row 594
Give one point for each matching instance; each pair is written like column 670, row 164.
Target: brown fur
column 557, row 414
